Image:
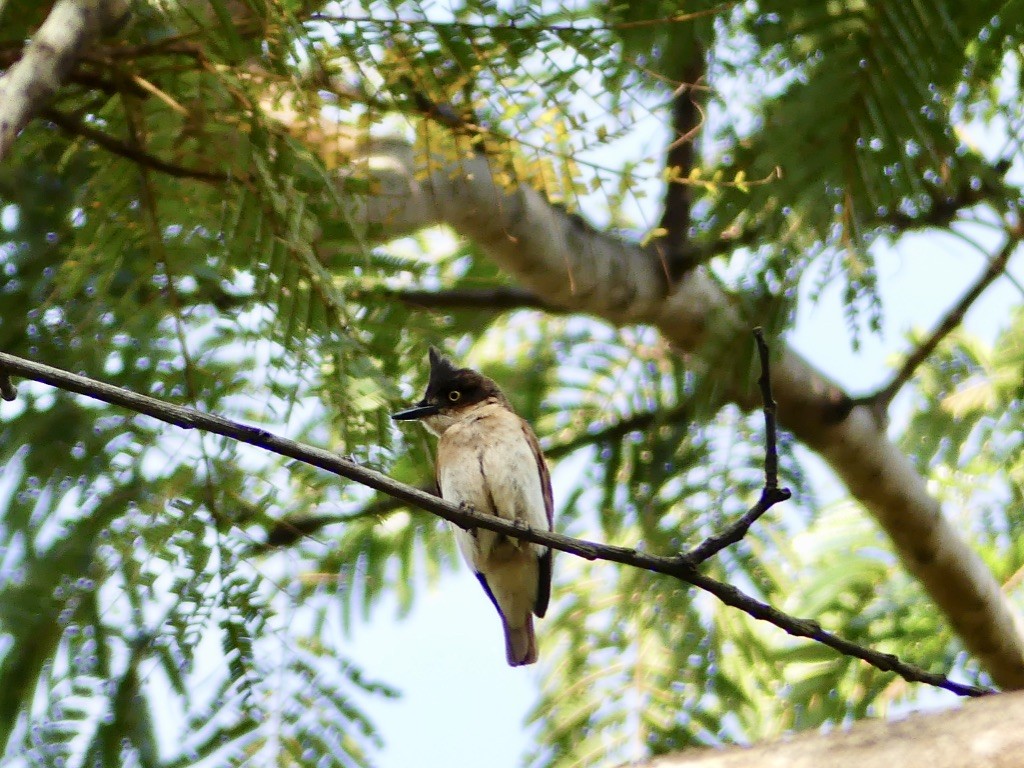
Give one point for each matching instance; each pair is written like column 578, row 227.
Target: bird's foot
column 465, row 506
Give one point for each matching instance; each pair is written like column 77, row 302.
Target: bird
column 489, row 458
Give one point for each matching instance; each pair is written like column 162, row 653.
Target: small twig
column 289, row 530
column 771, row 494
column 75, row 128
column 8, row 391
column 512, row 25
column 942, row 208
column 442, row 113
column 712, row 545
column 465, row 517
column 1013, row 581
column 687, row 118
column 880, row 400
column 177, row 45
column 770, row 408
column 498, row 299
column 166, row 98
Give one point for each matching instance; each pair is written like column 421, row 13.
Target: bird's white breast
column 486, row 461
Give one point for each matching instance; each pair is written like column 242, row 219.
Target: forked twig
column 771, row 494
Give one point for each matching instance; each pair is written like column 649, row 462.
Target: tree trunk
column 984, row 733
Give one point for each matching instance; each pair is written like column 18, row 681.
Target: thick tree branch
column 579, row 269
column 881, row 400
column 30, row 83
column 981, row 734
column 680, row 567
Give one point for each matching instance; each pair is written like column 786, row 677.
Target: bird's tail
column 520, row 644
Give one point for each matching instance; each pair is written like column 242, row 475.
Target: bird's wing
column 542, row 470
column 540, row 605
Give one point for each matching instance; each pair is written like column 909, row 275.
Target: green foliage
column 861, row 133
column 966, row 428
column 163, row 231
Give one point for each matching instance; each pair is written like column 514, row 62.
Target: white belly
column 495, row 478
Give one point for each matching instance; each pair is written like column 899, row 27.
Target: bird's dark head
column 451, row 392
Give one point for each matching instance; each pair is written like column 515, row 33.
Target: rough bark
column 55, row 47
column 982, row 734
column 570, row 265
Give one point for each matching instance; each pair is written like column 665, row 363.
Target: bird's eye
column 454, row 395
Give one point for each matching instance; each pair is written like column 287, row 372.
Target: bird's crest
column 445, row 376
column 442, row 370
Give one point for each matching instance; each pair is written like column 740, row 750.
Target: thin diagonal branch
column 677, row 567
column 881, row 399
column 500, row 298
column 287, row 531
column 123, row 149
column 445, row 114
column 942, row 208
column 616, row 430
column 516, row 26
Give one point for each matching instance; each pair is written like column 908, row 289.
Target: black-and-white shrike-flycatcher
column 489, row 458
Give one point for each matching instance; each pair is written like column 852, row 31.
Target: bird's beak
column 416, row 412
